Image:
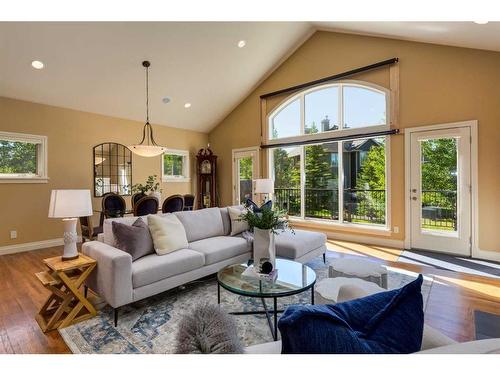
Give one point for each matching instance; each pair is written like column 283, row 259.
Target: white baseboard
column 486, row 255
column 29, row 246
column 365, row 239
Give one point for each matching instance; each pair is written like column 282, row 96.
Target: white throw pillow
column 237, row 225
column 168, row 233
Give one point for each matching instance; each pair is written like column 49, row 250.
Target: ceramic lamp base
column 70, row 238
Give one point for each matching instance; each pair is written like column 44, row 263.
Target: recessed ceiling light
column 481, row 22
column 242, row 43
column 187, row 105
column 166, row 100
column 37, row 64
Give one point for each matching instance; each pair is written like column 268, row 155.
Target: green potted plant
column 152, row 186
column 265, row 225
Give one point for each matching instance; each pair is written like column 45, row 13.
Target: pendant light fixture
column 147, row 147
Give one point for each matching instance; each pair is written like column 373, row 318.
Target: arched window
column 334, row 107
column 340, row 181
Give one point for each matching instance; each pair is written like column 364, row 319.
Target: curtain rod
column 332, row 139
column 331, row 78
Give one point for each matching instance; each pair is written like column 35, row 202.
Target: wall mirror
column 112, row 169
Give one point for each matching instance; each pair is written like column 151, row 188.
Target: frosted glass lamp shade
column 70, row 203
column 264, row 186
column 147, row 150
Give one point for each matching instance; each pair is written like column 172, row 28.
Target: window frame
column 341, row 132
column 41, row 175
column 381, row 229
column 186, row 177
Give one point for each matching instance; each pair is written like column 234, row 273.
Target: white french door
column 245, row 171
column 440, row 190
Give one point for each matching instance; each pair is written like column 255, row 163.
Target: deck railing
column 366, row 205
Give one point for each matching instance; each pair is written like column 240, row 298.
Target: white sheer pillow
column 237, row 225
column 168, row 233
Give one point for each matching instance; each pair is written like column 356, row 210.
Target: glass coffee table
column 293, row 278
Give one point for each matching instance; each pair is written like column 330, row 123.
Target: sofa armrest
column 112, row 278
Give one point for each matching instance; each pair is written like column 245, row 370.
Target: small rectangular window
column 23, row 158
column 175, row 166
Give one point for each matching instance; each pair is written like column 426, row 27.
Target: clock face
column 206, row 167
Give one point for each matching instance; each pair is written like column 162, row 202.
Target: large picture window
column 340, row 181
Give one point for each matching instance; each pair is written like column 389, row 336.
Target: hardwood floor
column 454, row 297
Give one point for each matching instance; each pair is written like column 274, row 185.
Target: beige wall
column 71, row 137
column 438, row 84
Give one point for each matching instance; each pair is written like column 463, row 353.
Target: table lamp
column 264, row 186
column 69, row 205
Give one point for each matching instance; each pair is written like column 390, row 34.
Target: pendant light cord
column 147, row 94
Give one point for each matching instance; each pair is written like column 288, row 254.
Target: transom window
column 338, row 181
column 23, row 157
column 330, row 108
column 175, row 166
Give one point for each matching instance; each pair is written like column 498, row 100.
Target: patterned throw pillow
column 134, row 239
column 237, row 225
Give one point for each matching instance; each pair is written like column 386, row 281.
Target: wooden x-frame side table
column 66, row 304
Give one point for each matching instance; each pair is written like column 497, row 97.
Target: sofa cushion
column 220, row 248
column 201, row 224
column 109, row 237
column 134, row 239
column 226, row 221
column 167, row 232
column 237, row 224
column 152, row 268
column 293, row 246
column 385, row 323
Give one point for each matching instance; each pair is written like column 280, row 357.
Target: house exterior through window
column 342, row 182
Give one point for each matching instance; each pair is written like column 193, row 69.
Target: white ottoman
column 359, row 269
column 339, row 289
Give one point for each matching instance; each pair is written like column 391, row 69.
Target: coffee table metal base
column 271, row 315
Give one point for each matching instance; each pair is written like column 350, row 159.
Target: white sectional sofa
column 120, row 281
column 433, row 341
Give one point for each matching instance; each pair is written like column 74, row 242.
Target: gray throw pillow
column 208, row 330
column 134, row 239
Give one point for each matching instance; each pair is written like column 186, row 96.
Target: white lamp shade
column 147, row 150
column 70, row 203
column 264, row 186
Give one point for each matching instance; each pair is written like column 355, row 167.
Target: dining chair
column 113, row 205
column 173, row 203
column 135, row 198
column 89, row 232
column 147, row 205
column 188, row 202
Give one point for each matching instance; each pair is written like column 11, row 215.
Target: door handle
column 413, row 190
column 414, row 198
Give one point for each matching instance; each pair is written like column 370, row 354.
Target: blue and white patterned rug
column 150, row 325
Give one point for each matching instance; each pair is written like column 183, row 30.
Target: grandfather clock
column 206, row 170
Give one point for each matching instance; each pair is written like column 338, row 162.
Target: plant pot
column 157, row 195
column 263, row 247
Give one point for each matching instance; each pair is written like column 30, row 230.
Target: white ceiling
column 96, row 67
column 460, row 34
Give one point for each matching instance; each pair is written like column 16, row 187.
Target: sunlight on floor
column 380, row 252
column 487, row 289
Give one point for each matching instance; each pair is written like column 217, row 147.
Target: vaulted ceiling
column 96, row 67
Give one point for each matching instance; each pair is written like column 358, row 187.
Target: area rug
column 150, row 325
